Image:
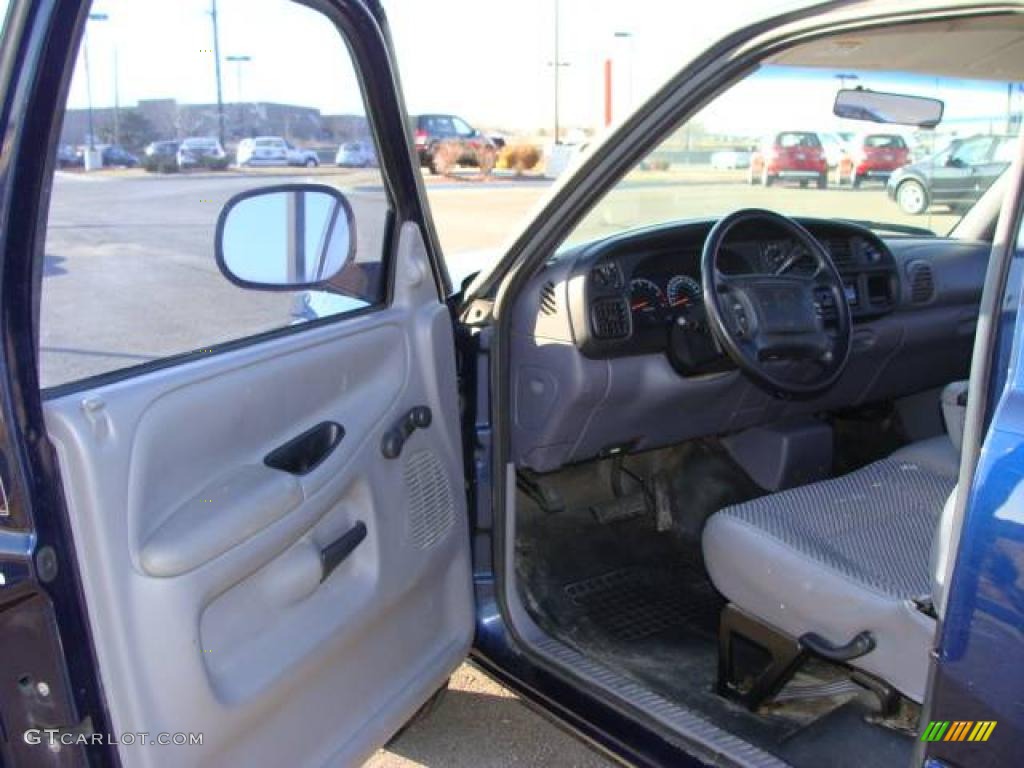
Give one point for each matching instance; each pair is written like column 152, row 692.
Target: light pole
column 88, row 78
column 216, row 68
column 557, row 63
column 238, row 61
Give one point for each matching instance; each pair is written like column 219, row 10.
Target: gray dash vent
column 922, row 282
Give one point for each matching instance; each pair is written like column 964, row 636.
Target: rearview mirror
column 891, row 108
column 285, row 237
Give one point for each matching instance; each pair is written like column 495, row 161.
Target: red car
column 874, row 157
column 790, row 155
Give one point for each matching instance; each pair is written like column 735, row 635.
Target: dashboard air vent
column 922, row 282
column 610, row 318
column 548, row 304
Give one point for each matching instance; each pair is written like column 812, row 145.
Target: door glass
column 130, row 276
column 971, row 153
column 461, row 128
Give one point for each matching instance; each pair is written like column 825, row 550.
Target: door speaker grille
column 431, row 508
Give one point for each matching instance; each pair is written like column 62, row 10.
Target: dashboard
column 637, row 294
column 592, row 332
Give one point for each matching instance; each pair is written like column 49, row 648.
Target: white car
column 197, row 151
column 274, row 150
column 730, row 159
column 835, row 148
column 356, row 154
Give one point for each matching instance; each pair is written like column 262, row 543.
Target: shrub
column 160, row 163
column 519, row 157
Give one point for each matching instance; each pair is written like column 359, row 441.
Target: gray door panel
column 201, row 565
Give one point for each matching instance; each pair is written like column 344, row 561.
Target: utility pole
column 238, row 61
column 216, row 64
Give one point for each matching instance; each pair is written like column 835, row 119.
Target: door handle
column 394, row 439
column 335, row 553
column 302, row 454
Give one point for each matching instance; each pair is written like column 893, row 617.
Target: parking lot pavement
column 479, row 724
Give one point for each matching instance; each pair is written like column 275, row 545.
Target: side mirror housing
column 285, row 237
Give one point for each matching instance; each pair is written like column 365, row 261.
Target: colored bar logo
column 958, row 730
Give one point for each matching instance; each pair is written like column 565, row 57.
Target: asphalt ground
column 129, row 277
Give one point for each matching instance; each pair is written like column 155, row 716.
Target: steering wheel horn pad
column 762, row 320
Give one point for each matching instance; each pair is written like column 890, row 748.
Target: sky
column 454, row 55
column 488, row 63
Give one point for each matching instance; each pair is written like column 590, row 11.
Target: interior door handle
column 334, row 554
column 304, row 453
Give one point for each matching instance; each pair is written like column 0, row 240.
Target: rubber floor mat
column 634, row 603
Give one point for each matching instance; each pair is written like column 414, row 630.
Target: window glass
column 461, row 128
column 972, row 152
column 130, row 275
column 806, row 161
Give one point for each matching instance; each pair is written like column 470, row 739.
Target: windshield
column 772, row 141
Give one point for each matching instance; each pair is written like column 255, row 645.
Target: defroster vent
column 548, row 303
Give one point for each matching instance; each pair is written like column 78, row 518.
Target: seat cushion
column 838, row 557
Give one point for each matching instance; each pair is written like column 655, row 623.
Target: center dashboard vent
column 548, row 303
column 922, row 282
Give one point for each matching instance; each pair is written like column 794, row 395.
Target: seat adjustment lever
column 861, row 644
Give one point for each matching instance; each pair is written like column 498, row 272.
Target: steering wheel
column 788, row 333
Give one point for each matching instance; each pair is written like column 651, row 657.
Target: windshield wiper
column 885, row 226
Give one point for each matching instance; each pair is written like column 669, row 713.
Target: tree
column 136, row 129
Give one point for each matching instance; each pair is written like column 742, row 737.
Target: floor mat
column 639, row 601
column 635, row 603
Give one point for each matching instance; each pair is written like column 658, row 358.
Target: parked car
column 274, row 150
column 167, row 148
column 730, row 159
column 444, row 141
column 790, row 156
column 356, row 154
column 68, row 157
column 956, row 176
column 873, row 157
column 201, row 152
column 116, row 156
column 835, row 147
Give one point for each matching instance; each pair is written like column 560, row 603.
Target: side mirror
column 285, row 237
column 889, row 108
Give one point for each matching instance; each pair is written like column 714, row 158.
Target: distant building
column 155, row 119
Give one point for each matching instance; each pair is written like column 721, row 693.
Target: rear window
column 266, row 142
column 795, row 139
column 436, row 124
column 884, row 141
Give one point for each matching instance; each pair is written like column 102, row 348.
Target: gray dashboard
column 577, row 396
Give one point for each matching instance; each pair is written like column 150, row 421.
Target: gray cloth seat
column 842, row 556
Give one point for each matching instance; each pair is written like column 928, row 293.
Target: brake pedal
column 623, row 508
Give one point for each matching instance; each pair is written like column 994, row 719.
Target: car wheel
column 823, row 180
column 311, row 163
column 855, row 180
column 752, row 177
column 803, row 183
column 912, row 197
column 766, row 178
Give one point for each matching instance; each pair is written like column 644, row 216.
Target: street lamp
column 88, row 78
column 842, row 77
column 238, row 61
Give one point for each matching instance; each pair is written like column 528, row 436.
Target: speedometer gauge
column 646, row 299
column 684, row 292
